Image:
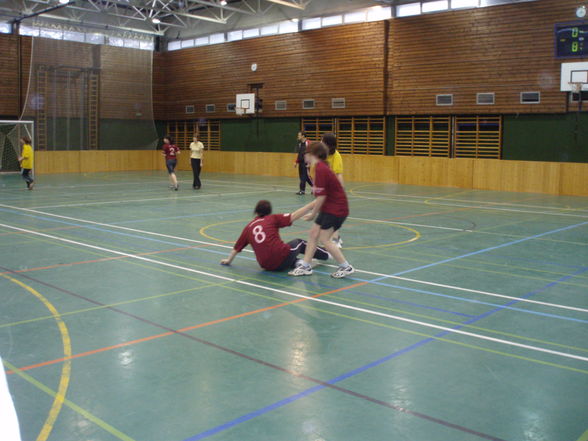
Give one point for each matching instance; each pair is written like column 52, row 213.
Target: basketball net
column 577, row 87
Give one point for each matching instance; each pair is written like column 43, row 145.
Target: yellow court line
column 90, row 417
column 417, row 235
column 65, row 370
column 583, row 437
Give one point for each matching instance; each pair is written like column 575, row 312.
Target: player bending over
column 263, row 234
column 332, row 209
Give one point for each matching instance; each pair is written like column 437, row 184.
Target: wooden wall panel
column 159, row 86
column 125, row 83
column 345, row 61
column 504, row 49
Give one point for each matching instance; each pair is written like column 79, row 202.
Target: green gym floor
column 466, row 320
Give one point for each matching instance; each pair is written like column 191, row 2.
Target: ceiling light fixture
column 223, row 2
column 155, row 20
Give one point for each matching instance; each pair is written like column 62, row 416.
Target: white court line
column 479, row 207
column 410, row 224
column 124, row 201
column 301, row 296
column 167, row 236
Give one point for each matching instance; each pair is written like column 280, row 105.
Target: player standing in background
column 27, row 159
column 302, row 165
column 196, row 159
column 263, row 234
column 332, row 209
column 335, row 161
column 171, row 152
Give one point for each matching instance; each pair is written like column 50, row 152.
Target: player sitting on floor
column 263, row 234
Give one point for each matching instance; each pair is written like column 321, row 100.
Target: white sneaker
column 343, row 272
column 301, row 270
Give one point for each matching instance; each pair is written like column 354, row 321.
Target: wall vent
column 210, row 108
column 308, row 104
column 530, row 97
column 191, row 109
column 338, row 103
column 485, row 99
column 231, row 107
column 281, row 105
column 444, row 100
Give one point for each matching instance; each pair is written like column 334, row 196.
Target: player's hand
column 309, row 217
column 225, row 262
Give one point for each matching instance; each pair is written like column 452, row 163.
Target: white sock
column 344, row 265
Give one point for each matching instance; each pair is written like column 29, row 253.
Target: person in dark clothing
column 301, row 163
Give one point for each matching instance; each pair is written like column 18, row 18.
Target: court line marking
column 300, row 375
column 375, row 282
column 583, row 437
column 340, row 305
column 125, row 201
column 303, row 394
column 83, row 412
column 65, row 369
column 554, row 305
column 187, row 328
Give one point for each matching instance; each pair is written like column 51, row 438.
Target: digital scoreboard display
column 571, row 40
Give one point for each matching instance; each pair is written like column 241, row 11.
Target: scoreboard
column 571, row 40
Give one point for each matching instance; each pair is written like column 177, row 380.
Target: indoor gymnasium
column 293, row 220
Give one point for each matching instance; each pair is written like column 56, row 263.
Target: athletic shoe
column 175, row 188
column 300, row 193
column 31, row 185
column 301, row 270
column 343, row 272
column 338, row 242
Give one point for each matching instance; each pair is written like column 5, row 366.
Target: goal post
column 11, row 131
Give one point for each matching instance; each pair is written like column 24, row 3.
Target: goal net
column 10, row 134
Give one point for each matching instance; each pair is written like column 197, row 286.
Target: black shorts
column 328, row 221
column 171, row 165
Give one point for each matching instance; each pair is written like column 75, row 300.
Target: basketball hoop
column 577, row 87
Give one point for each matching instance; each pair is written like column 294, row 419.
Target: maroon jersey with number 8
column 263, row 234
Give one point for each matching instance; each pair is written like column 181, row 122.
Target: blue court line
column 545, row 262
column 276, row 275
column 484, row 250
column 251, row 415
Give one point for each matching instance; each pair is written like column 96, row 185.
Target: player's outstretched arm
column 230, row 259
column 302, row 211
column 318, row 203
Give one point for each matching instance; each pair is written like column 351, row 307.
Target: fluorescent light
column 63, row 2
column 155, row 20
column 408, row 9
column 295, row 20
column 223, row 2
column 438, row 5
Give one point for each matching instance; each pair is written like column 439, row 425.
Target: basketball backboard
column 574, row 73
column 245, row 103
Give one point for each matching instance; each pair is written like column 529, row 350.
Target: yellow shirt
column 27, row 156
column 196, row 149
column 336, row 163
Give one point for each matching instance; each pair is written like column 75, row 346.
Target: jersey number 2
column 258, row 234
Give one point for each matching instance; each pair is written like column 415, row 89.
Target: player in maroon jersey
column 171, row 152
column 332, row 209
column 263, row 234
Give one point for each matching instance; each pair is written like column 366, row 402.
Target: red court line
column 188, row 328
column 104, row 259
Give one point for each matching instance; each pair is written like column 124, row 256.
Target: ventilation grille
column 190, row 109
column 210, row 108
column 308, row 104
column 338, row 103
column 231, row 107
column 485, row 99
column 281, row 105
column 444, row 100
column 530, row 97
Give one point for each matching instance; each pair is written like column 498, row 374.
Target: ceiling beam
column 291, row 4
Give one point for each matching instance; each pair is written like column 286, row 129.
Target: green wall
column 260, row 134
column 546, row 137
